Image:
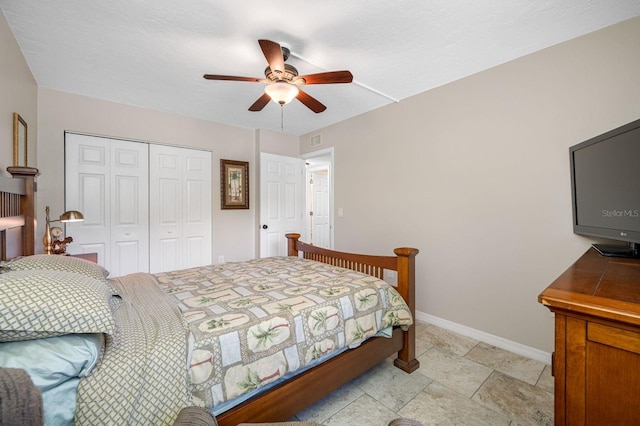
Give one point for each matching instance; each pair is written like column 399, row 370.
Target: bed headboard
column 17, row 212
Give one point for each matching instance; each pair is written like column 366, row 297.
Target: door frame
column 324, row 157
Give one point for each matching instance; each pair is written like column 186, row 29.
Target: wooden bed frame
column 17, row 219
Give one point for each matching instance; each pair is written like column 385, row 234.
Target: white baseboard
column 491, row 339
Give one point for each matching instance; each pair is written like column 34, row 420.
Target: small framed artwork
column 234, row 184
column 19, row 141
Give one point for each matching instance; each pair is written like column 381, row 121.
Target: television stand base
column 611, row 250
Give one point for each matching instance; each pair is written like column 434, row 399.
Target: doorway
column 317, row 165
column 319, row 197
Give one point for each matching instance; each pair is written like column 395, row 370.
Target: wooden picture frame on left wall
column 19, row 141
column 234, row 184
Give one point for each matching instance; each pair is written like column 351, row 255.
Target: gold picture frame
column 234, row 184
column 19, row 141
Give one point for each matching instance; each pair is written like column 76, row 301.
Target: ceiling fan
column 283, row 81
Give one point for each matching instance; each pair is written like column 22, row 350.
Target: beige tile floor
column 461, row 381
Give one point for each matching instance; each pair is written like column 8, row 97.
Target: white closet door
column 87, row 189
column 197, row 207
column 107, row 180
column 129, row 207
column 165, row 202
column 180, row 206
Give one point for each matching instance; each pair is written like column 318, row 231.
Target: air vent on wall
column 316, row 140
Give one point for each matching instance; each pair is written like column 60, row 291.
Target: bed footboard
column 290, row 397
column 403, row 263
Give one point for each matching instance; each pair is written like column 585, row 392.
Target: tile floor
column 461, row 381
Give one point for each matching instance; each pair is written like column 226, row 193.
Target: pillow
column 52, row 361
column 39, row 303
column 54, row 365
column 57, row 263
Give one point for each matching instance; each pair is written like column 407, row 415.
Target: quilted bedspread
column 253, row 322
column 141, row 378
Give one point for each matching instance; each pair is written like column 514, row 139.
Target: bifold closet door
column 180, row 208
column 108, row 181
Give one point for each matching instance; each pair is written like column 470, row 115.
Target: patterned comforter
column 246, row 324
column 253, row 322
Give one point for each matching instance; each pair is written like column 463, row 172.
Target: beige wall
column 233, row 230
column 476, row 175
column 18, row 93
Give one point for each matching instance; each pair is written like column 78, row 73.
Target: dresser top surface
column 597, row 283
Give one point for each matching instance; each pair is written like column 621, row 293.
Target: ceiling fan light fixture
column 281, row 92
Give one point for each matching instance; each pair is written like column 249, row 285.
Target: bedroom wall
column 233, row 230
column 476, row 175
column 19, row 93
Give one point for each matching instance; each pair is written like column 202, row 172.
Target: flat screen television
column 605, row 189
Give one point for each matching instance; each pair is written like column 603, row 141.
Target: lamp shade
column 71, row 216
column 281, row 92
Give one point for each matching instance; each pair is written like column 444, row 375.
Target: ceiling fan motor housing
column 290, row 72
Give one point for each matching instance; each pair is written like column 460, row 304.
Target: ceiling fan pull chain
column 282, row 118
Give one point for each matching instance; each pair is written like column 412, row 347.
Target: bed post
column 27, row 206
column 406, row 360
column 292, row 240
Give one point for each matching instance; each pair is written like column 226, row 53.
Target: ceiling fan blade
column 312, row 103
column 273, row 53
column 234, row 78
column 330, row 77
column 260, row 103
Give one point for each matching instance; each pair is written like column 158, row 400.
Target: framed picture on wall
column 19, row 141
column 234, row 184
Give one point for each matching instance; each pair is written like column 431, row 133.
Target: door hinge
column 310, row 213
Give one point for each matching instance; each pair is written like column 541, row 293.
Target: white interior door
column 107, row 180
column 320, row 198
column 319, row 213
column 282, row 202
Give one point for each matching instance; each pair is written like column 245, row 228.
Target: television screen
column 606, row 185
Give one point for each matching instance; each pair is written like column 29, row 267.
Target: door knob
column 265, row 226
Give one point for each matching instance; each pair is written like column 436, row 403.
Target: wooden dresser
column 596, row 363
column 91, row 257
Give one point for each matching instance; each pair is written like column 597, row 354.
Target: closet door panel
column 87, row 187
column 126, row 258
column 197, row 205
column 129, row 207
column 92, row 235
column 169, row 254
column 196, row 252
column 107, row 180
column 180, row 205
column 165, row 202
column 167, row 231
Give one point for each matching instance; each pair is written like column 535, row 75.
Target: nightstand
column 91, row 257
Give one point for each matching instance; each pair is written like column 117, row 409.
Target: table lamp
column 69, row 216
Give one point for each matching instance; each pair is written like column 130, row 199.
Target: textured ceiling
column 153, row 53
